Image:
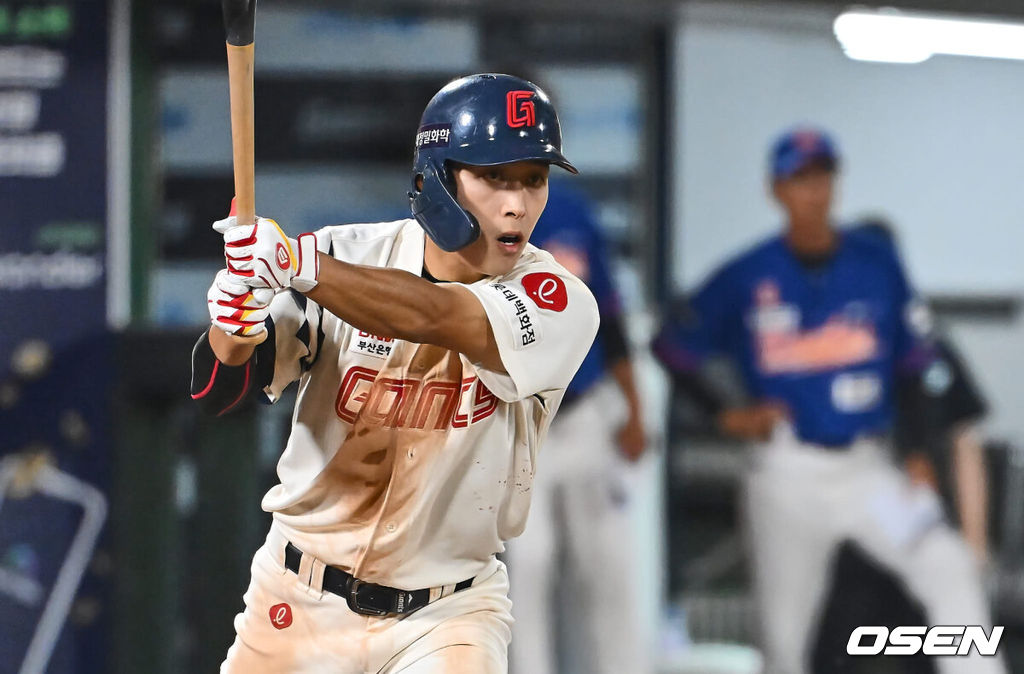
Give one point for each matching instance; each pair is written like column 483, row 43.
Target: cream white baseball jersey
column 408, row 465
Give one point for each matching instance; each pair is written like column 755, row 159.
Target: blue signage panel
column 54, row 360
column 53, row 173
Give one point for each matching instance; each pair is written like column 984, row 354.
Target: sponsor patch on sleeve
column 546, row 290
column 520, row 316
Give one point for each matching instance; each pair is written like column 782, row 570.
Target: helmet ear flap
column 434, row 206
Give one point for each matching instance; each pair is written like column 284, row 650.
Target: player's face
column 507, row 201
column 807, row 194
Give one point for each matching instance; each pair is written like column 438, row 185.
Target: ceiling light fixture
column 901, row 37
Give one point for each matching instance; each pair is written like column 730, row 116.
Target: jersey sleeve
column 932, row 402
column 913, row 344
column 544, row 323
column 584, row 237
column 698, row 326
column 964, row 400
column 298, row 334
column 583, row 241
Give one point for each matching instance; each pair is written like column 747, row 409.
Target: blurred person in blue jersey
column 823, row 326
column 579, row 511
column 937, row 430
column 938, row 440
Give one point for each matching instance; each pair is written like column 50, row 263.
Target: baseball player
column 937, row 428
column 948, row 455
column 431, row 355
column 579, row 509
column 822, row 323
column 936, row 436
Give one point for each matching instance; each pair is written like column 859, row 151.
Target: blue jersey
column 568, row 231
column 827, row 340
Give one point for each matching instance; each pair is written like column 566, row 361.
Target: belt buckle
column 353, row 600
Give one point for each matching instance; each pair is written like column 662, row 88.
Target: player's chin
column 500, row 264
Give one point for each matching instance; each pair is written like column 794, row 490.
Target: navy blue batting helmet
column 479, row 120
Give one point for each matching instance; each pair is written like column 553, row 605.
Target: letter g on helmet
column 479, row 120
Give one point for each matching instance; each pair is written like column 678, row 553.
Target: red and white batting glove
column 262, row 256
column 236, row 308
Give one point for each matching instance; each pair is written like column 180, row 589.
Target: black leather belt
column 368, row 598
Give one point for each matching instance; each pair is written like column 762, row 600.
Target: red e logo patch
column 546, row 290
column 281, row 616
column 520, row 110
column 283, row 261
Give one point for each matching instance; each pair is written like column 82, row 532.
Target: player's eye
column 494, row 175
column 537, row 180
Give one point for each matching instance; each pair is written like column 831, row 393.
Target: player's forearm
column 622, row 371
column 395, row 303
column 230, row 350
column 971, row 487
column 383, row 302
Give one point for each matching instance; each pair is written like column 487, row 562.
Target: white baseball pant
column 801, row 501
column 579, row 512
column 464, row 633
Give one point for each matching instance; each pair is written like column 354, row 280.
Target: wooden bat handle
column 240, row 78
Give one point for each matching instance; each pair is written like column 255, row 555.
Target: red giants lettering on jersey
column 412, row 403
column 363, row 333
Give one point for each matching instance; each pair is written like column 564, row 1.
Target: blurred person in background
column 936, row 437
column 823, row 326
column 937, row 429
column 579, row 510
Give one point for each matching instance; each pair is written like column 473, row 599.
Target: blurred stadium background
column 127, row 522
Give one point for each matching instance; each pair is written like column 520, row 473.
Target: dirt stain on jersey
column 377, row 457
column 398, row 498
column 365, row 484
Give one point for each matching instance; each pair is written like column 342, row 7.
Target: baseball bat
column 239, row 24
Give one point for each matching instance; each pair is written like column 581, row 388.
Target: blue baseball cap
column 799, row 148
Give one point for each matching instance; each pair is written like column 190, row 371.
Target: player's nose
column 514, row 202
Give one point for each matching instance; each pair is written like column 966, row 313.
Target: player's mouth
column 511, row 242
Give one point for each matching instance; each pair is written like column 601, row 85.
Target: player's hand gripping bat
column 239, row 25
column 239, row 22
